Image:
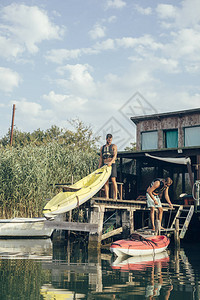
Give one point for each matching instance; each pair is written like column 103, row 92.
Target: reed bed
column 27, row 175
column 22, row 279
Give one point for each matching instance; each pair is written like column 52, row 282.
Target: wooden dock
column 127, row 212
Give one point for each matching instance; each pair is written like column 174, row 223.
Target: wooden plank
column 111, row 233
column 124, row 202
column 72, row 226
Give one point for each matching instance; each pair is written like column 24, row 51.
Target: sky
column 97, row 61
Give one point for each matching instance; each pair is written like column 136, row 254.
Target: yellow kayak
column 74, row 195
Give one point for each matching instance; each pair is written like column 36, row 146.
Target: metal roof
column 159, row 116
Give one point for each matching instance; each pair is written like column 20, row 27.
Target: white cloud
column 144, row 11
column 62, row 102
column 79, row 79
column 9, row 48
column 60, row 55
column 146, row 41
column 185, row 45
column 97, row 32
column 112, row 19
column 108, row 44
column 166, row 11
column 9, row 79
column 26, row 27
column 115, row 3
column 188, row 15
column 27, row 108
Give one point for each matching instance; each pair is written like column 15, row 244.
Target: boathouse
column 167, row 144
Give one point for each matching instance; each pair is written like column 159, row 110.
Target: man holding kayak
column 154, row 192
column 108, row 155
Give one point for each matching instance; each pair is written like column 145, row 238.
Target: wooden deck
column 126, row 213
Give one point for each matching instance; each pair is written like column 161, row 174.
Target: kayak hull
column 152, row 245
column 79, row 193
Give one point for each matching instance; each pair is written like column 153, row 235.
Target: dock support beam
column 96, row 217
column 131, row 219
column 176, row 234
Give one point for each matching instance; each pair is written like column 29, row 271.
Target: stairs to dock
column 184, row 215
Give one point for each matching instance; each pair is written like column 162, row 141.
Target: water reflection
column 53, row 270
column 26, row 248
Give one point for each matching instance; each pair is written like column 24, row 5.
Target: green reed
column 28, row 173
column 22, row 279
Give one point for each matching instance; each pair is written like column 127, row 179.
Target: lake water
column 46, row 270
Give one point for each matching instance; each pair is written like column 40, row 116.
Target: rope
column 140, row 238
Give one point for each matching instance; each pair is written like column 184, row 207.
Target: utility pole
column 12, row 125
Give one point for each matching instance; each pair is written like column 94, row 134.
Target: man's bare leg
column 113, row 179
column 152, row 217
column 160, row 215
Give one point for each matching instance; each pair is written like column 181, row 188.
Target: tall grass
column 26, row 175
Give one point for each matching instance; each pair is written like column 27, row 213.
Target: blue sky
column 101, row 61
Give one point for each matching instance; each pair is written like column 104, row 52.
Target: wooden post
column 125, row 223
column 96, row 217
column 118, row 218
column 176, row 234
column 157, row 226
column 190, row 174
column 12, row 125
column 198, row 167
column 94, row 258
column 131, row 218
column 59, row 234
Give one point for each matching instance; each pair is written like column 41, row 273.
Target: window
column 149, row 140
column 192, row 136
column 171, row 138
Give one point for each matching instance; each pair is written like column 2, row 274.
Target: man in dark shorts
column 108, row 155
column 157, row 187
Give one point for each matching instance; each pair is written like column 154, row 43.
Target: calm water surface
column 42, row 269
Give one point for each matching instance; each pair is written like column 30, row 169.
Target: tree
column 80, row 137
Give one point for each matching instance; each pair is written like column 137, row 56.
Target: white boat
column 25, row 227
column 37, row 249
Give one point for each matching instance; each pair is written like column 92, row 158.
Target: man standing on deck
column 154, row 192
column 108, row 155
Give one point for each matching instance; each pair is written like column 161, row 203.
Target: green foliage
column 26, row 175
column 132, row 147
column 22, row 279
column 39, row 159
column 80, row 136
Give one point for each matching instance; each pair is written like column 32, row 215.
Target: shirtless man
column 158, row 186
column 108, row 155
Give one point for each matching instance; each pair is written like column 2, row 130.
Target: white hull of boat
column 24, row 227
column 138, row 260
column 137, row 252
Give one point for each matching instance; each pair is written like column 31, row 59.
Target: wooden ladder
column 184, row 214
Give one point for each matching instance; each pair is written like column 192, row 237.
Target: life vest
column 161, row 188
column 107, row 151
